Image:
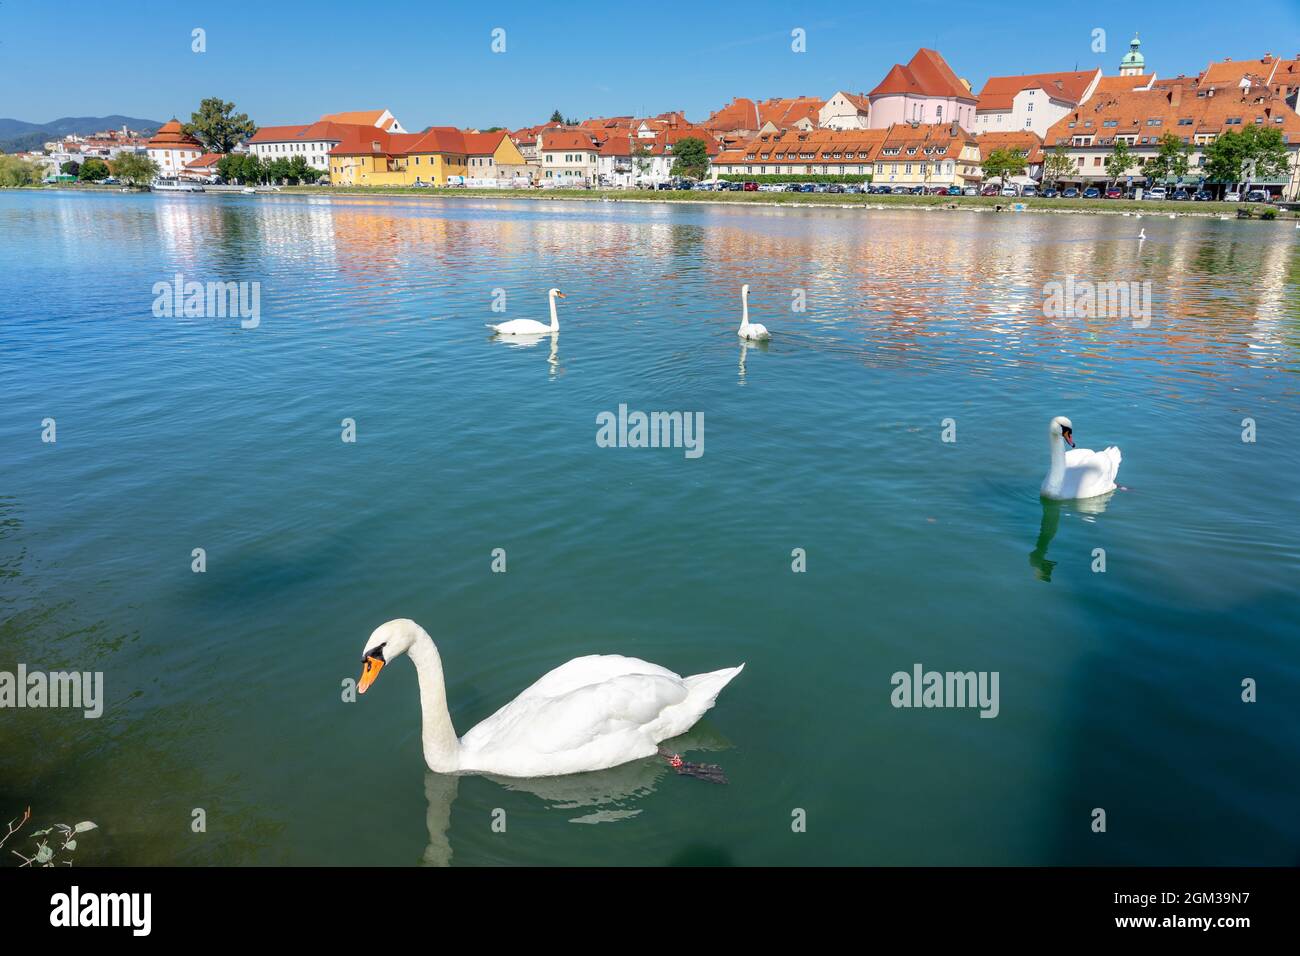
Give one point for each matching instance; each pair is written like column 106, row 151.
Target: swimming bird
column 1142, row 235
column 1080, row 472
column 749, row 330
column 592, row 713
column 531, row 326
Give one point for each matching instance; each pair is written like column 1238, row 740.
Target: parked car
column 1202, row 195
column 1008, row 190
column 735, row 187
column 821, row 187
column 1181, row 195
column 853, row 188
column 1092, row 192
column 1114, row 192
column 989, row 191
column 1232, row 196
column 751, row 187
column 1156, row 192
column 790, row 187
column 1051, row 193
column 880, row 190
column 421, row 184
column 1258, row 195
column 970, row 191
column 1029, row 191
column 952, row 191
column 835, row 188
column 807, row 188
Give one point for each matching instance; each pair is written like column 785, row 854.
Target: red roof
column 371, row 140
column 206, row 161
column 927, row 74
column 567, row 139
column 483, row 144
column 1000, row 91
column 171, row 135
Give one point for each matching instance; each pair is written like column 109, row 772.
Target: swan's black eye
column 374, row 652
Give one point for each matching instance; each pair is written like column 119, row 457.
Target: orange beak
column 560, row 295
column 368, row 673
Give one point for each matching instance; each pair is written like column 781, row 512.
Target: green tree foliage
column 690, row 157
column 301, row 172
column 1057, row 165
column 557, row 117
column 93, row 170
column 243, row 168
column 18, row 172
column 70, row 168
column 1001, row 164
column 1255, row 153
column 218, row 127
column 134, row 169
column 1171, row 162
column 1119, row 161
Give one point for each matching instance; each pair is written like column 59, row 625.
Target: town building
column 845, row 111
column 1024, row 143
column 203, row 169
column 905, row 154
column 314, row 141
column 568, row 157
column 494, row 156
column 173, row 149
column 926, row 90
column 1196, row 115
column 1033, row 102
column 369, row 156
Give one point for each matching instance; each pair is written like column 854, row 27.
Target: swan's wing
column 592, row 669
column 1092, row 472
column 601, row 724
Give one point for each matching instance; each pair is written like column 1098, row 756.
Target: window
column 938, row 114
column 1029, row 122
column 1185, row 121
column 1232, row 121
column 1031, row 107
column 1110, row 123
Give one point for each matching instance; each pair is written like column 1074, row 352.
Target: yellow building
column 495, row 156
column 372, row 157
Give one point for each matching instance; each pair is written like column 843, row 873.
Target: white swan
column 531, row 326
column 1080, row 472
column 589, row 714
column 1142, row 235
column 749, row 330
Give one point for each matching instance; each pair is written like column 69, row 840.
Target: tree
column 557, row 117
column 218, row 127
column 1000, row 164
column 93, row 170
column 300, row 171
column 1254, row 153
column 134, row 169
column 18, row 172
column 1057, row 165
column 690, row 158
column 70, row 168
column 1171, row 162
column 244, row 168
column 641, row 160
column 1119, row 161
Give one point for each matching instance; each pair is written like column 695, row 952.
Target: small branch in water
column 711, row 772
column 27, row 815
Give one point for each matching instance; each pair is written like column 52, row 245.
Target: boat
column 172, row 185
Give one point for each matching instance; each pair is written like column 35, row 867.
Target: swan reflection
column 1050, row 523
column 601, row 796
column 745, row 346
column 532, row 341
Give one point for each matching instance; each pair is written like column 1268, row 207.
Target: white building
column 314, row 141
column 173, row 149
column 845, row 111
column 1033, row 102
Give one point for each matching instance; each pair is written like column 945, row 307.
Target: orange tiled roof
column 355, row 117
column 740, row 113
column 999, row 92
column 206, row 161
column 567, row 139
column 171, row 135
column 926, row 74
column 1023, row 141
column 1123, row 84
column 373, row 141
column 1202, row 114
column 320, row 131
column 483, row 144
column 925, row 140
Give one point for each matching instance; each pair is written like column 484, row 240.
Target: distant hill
column 18, row 135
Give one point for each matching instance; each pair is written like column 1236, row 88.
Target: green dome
column 1134, row 56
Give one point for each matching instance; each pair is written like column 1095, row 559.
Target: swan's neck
column 441, row 747
column 555, row 319
column 744, row 310
column 1056, row 473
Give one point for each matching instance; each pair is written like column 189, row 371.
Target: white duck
column 1080, row 472
column 1142, row 235
column 531, row 326
column 589, row 714
column 749, row 330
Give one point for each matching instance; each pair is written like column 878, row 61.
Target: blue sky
column 431, row 63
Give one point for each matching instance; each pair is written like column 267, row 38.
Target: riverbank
column 982, row 203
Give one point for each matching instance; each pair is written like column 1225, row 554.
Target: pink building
column 924, row 91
